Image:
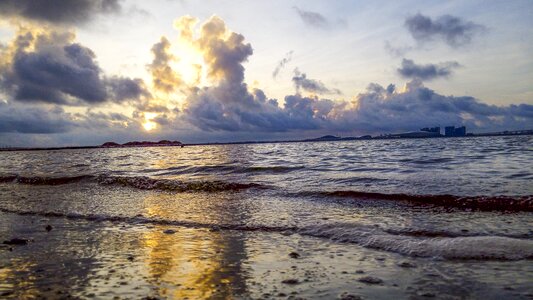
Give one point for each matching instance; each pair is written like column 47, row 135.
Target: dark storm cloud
column 45, row 119
column 33, row 120
column 282, row 63
column 90, row 120
column 301, row 82
column 121, row 88
column 52, row 68
column 52, row 75
column 58, row 11
column 410, row 69
column 453, row 30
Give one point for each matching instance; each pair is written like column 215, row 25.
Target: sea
column 448, row 218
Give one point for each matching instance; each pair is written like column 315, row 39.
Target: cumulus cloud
column 164, row 78
column 58, row 11
column 35, row 66
column 282, row 63
column 410, row 69
column 223, row 51
column 51, row 67
column 452, row 30
column 229, row 105
column 378, row 110
column 301, row 82
column 223, row 105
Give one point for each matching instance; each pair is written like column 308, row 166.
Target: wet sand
column 84, row 259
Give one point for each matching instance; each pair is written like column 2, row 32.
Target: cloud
column 164, row 78
column 223, row 51
column 42, row 71
column 387, row 110
column 396, row 51
column 229, row 106
column 410, row 69
column 45, row 119
column 226, row 104
column 282, row 63
column 301, row 82
column 122, row 88
column 312, row 19
column 378, row 110
column 58, row 11
column 452, row 30
column 33, row 120
column 51, row 67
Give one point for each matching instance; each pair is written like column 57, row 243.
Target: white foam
column 472, row 247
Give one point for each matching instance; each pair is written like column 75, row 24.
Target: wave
column 484, row 203
column 230, row 169
column 462, row 247
column 417, row 232
column 138, row 182
column 41, row 180
column 146, row 183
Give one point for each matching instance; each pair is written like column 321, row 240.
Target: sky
column 84, row 72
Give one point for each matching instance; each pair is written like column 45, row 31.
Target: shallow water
column 461, row 210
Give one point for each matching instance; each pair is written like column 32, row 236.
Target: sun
column 148, row 124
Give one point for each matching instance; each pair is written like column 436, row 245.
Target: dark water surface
column 458, row 211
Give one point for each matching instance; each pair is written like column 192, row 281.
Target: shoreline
column 268, row 142
column 83, row 259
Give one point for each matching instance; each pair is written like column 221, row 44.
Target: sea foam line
column 464, row 247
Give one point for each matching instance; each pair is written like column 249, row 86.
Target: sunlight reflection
column 193, row 263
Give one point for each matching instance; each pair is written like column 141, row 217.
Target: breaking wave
column 41, row 180
column 146, row 183
column 463, row 247
column 224, row 169
column 488, row 203
column 138, row 182
column 482, row 203
column 480, row 247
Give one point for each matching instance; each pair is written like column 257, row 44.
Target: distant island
column 161, row 143
column 424, row 133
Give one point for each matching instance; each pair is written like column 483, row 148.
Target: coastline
column 337, row 139
column 83, row 259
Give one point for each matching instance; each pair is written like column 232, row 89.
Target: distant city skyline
column 86, row 72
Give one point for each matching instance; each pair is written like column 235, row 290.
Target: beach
column 273, row 221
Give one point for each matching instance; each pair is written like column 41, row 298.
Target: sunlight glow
column 190, row 64
column 148, row 124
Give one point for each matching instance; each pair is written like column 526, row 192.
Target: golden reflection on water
column 26, row 288
column 192, row 263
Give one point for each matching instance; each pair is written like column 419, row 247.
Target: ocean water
column 460, row 209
